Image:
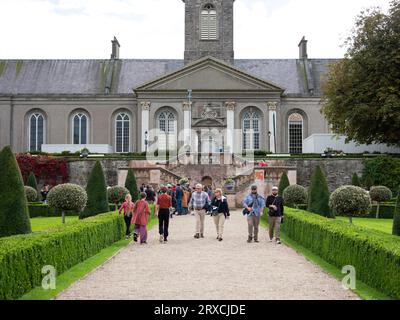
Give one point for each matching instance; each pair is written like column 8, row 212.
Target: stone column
column 272, row 107
column 230, row 121
column 145, row 105
column 187, row 123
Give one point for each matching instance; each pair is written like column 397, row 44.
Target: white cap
column 275, row 188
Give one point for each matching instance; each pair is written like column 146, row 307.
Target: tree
column 283, row 183
column 14, row 214
column 67, row 197
column 31, row 182
column 361, row 96
column 349, row 201
column 368, row 182
column 295, row 195
column 131, row 185
column 117, row 194
column 396, row 219
column 380, row 194
column 31, row 194
column 318, row 194
column 355, row 181
column 96, row 190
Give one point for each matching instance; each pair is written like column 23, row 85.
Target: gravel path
column 187, row 268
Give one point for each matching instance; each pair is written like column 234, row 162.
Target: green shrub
column 350, row 201
column 131, row 185
column 384, row 171
column 396, row 218
column 67, row 197
column 31, row 182
column 318, row 194
column 355, row 181
column 31, row 194
column 96, row 190
column 380, row 194
column 22, row 257
column 14, row 215
column 283, row 183
column 117, row 194
column 368, row 182
column 44, row 210
column 374, row 254
column 295, row 195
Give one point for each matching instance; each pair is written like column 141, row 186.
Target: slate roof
column 93, row 76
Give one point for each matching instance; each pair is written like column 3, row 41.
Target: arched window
column 80, row 128
column 208, row 23
column 251, row 131
column 122, row 133
column 295, row 133
column 167, row 126
column 36, row 132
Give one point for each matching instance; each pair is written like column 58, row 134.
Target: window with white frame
column 36, row 132
column 122, row 133
column 296, row 125
column 251, row 131
column 167, row 126
column 208, row 23
column 80, row 124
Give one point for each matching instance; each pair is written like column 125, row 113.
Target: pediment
column 209, row 74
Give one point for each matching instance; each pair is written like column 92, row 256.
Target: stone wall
column 338, row 172
column 79, row 170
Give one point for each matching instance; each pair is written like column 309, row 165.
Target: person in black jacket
column 275, row 207
column 220, row 212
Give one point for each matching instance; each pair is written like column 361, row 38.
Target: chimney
column 115, row 49
column 303, row 49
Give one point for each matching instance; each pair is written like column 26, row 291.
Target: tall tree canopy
column 362, row 91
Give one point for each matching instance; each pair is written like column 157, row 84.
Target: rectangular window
column 295, row 138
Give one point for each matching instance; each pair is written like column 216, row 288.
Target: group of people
column 174, row 199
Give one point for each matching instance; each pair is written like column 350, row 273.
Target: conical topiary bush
column 131, row 185
column 318, row 194
column 283, row 183
column 96, row 192
column 14, row 214
column 31, row 182
column 368, row 182
column 396, row 218
column 355, row 181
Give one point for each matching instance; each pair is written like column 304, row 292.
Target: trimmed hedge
column 23, row 257
column 44, row 210
column 386, row 211
column 374, row 254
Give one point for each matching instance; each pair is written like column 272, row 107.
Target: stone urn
column 229, row 185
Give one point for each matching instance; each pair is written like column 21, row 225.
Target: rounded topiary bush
column 380, row 194
column 350, row 201
column 117, row 194
column 295, row 195
column 31, row 194
column 67, row 197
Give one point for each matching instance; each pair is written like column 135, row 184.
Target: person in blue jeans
column 255, row 204
column 179, row 196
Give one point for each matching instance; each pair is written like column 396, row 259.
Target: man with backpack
column 254, row 205
column 275, row 212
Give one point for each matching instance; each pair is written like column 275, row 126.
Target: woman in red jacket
column 141, row 218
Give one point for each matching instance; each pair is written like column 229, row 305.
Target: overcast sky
column 83, row 29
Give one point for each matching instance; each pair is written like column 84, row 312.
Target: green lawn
column 384, row 225
column 41, row 224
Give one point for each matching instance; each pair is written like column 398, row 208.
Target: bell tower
column 209, row 30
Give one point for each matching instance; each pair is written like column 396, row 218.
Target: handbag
column 215, row 210
column 247, row 212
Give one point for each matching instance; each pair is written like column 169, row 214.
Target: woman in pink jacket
column 141, row 218
column 127, row 207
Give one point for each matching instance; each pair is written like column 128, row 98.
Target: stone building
column 128, row 105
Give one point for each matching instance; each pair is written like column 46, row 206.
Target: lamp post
column 269, row 136
column 146, row 140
